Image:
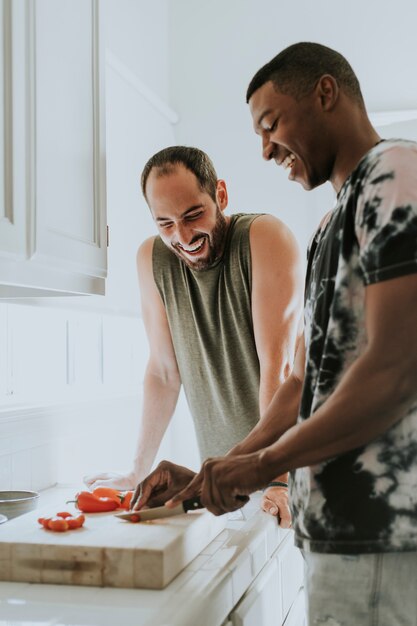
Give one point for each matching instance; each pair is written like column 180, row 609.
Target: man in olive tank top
column 221, row 302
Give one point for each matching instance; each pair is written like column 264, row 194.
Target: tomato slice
column 75, row 522
column 58, row 524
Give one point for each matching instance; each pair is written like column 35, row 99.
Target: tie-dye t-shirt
column 364, row 500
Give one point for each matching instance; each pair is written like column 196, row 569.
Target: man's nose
column 267, row 148
column 183, row 233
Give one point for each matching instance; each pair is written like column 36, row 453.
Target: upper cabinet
column 53, row 229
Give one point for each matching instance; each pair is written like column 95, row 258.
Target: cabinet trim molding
column 8, row 212
column 52, row 241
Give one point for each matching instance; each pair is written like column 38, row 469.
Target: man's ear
column 221, row 195
column 328, row 90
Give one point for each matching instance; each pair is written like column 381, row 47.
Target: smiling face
column 294, row 133
column 189, row 221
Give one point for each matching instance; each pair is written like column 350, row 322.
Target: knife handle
column 192, row 504
column 195, row 503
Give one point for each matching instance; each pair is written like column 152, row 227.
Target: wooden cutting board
column 106, row 552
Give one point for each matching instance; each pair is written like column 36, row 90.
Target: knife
column 159, row 512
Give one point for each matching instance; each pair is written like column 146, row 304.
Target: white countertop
column 203, row 593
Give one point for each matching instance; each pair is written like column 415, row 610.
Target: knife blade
column 159, row 512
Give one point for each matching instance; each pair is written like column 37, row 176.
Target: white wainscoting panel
column 38, row 344
column 3, row 351
column 71, row 397
column 85, row 352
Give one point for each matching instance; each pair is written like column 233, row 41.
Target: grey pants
column 365, row 589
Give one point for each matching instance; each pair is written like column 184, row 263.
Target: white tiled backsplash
column 62, row 443
column 70, row 390
column 70, row 396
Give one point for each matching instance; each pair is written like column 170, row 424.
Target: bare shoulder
column 144, row 253
column 269, row 235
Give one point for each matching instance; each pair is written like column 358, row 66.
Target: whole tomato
column 107, row 492
column 88, row 502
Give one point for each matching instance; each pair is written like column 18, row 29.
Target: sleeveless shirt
column 210, row 318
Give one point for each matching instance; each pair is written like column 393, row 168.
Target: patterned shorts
column 359, row 590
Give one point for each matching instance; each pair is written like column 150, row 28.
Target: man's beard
column 215, row 241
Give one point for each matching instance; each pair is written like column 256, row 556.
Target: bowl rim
column 29, row 495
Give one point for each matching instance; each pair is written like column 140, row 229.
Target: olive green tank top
column 210, row 318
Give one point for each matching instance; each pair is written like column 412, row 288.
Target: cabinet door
column 12, row 127
column 262, row 602
column 291, row 566
column 297, row 615
column 67, row 136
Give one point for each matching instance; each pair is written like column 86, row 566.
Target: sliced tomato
column 58, row 524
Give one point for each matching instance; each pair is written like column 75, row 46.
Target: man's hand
column 225, row 481
column 161, row 484
column 275, row 502
column 123, row 482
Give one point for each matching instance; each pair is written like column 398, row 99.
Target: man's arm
column 277, row 291
column 277, row 288
column 169, row 479
column 281, row 413
column 377, row 391
column 162, row 381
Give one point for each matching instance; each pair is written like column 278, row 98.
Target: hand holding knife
column 159, row 512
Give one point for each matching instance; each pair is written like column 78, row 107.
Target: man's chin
column 200, row 263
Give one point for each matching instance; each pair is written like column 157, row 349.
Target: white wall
column 71, row 369
column 137, row 32
column 217, row 46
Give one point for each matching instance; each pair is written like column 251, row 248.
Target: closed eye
column 193, row 216
column 273, row 126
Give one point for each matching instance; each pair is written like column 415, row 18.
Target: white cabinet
column 297, row 615
column 291, row 567
column 275, row 596
column 262, row 602
column 12, row 131
column 53, row 230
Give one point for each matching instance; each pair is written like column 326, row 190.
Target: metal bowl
column 15, row 503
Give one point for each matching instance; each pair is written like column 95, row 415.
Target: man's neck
column 355, row 142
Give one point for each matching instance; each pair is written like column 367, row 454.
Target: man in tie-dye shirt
column 345, row 421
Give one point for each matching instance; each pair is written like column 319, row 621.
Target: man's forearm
column 366, row 403
column 281, row 415
column 159, row 402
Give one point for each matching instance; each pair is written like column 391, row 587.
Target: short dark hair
column 193, row 159
column 296, row 70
